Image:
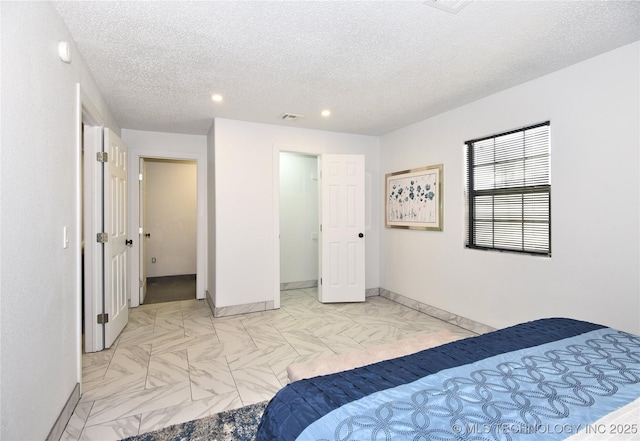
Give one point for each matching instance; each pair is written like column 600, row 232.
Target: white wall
column 39, row 177
column 246, row 202
column 171, row 217
column 299, row 217
column 170, row 146
column 594, row 271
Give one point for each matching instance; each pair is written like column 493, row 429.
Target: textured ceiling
column 378, row 66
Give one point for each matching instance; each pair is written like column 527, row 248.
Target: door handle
column 128, row 242
column 360, row 235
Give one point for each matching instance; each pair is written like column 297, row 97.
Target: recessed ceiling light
column 216, row 98
column 325, row 113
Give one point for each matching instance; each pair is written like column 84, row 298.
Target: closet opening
column 299, row 221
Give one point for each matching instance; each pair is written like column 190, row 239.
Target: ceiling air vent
column 452, row 6
column 290, row 117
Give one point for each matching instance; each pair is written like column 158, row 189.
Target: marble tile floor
column 174, row 362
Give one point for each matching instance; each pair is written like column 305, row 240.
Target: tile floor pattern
column 174, row 362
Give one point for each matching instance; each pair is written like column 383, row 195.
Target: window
column 509, row 191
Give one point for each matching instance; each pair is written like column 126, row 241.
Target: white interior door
column 142, row 243
column 342, row 230
column 92, row 251
column 116, row 248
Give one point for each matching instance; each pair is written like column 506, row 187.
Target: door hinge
column 102, row 237
column 103, row 318
column 140, row 177
column 320, row 227
column 320, row 280
column 102, row 156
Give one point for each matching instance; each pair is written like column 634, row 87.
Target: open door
column 342, row 267
column 92, row 250
column 117, row 243
column 143, row 234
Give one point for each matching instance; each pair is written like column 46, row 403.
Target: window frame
column 471, row 228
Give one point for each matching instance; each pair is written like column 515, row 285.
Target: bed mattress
column 535, row 375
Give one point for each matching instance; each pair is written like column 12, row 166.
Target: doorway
column 168, row 219
column 142, row 151
column 341, row 225
column 299, row 221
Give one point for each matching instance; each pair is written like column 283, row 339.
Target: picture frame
column 413, row 198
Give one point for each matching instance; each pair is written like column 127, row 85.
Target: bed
column 547, row 379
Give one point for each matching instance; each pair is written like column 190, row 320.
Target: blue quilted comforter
column 514, row 383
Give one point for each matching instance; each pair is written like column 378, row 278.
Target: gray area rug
column 231, row 425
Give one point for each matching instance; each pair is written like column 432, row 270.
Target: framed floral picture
column 414, row 198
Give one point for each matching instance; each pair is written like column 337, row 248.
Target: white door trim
column 135, row 153
column 142, row 230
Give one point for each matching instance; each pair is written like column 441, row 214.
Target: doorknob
column 360, row 235
column 128, row 242
column 147, row 235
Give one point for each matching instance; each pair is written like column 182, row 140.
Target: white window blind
column 509, row 191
